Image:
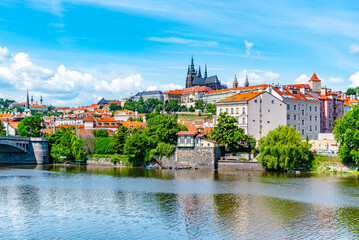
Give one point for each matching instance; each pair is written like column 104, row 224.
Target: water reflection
column 92, row 202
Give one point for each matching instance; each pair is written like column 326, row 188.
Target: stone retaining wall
column 240, row 165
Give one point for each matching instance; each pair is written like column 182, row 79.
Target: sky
column 74, row 52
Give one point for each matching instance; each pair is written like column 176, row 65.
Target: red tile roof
column 314, row 78
column 188, row 133
column 241, row 97
column 174, row 92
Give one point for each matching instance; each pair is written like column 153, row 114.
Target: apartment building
column 256, row 112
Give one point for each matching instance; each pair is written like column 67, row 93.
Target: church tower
column 27, row 111
column 315, row 83
column 246, row 83
column 235, row 82
column 191, row 74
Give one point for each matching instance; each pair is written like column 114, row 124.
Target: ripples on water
column 134, row 203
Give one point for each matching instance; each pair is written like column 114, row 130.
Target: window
column 295, row 107
column 302, row 122
column 288, row 107
column 243, row 120
column 255, row 101
column 295, row 128
column 288, row 116
column 272, row 101
column 310, row 118
column 244, row 110
column 231, row 110
column 226, row 110
column 302, row 131
column 310, row 108
column 316, row 118
column 310, row 128
column 237, row 110
column 295, row 117
column 268, row 121
column 316, row 128
column 303, row 112
column 254, row 120
column 268, row 110
column 220, row 110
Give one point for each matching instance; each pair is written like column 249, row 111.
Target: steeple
column 41, row 99
column 205, row 71
column 235, row 82
column 246, row 83
column 192, row 66
column 199, row 72
column 188, row 71
column 27, row 106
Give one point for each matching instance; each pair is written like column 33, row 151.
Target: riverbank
column 324, row 163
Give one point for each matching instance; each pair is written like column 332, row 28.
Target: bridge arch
column 11, row 147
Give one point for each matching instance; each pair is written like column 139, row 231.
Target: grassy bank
column 324, row 163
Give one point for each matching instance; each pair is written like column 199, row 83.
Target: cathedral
column 195, row 78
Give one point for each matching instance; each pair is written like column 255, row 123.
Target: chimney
column 324, row 91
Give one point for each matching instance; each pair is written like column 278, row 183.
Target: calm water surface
column 47, row 202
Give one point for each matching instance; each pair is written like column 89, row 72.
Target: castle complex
column 195, row 78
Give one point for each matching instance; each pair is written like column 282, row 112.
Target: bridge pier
column 20, row 150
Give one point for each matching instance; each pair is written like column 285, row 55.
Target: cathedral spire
column 192, row 66
column 27, row 105
column 235, row 82
column 199, row 72
column 246, row 83
column 205, row 71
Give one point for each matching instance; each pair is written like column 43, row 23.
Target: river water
column 52, row 202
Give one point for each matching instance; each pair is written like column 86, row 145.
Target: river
column 55, row 202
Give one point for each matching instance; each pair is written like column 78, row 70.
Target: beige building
column 256, row 112
column 192, row 94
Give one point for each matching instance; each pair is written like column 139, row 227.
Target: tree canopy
column 30, row 126
column 200, row 105
column 352, row 91
column 210, row 107
column 283, row 149
column 228, row 134
column 346, row 132
column 142, row 106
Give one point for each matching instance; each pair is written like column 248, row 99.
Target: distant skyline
column 76, row 52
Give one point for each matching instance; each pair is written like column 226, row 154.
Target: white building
column 256, row 112
column 303, row 108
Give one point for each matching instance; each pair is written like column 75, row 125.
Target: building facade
column 257, row 113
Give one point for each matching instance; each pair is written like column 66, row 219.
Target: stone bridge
column 21, row 150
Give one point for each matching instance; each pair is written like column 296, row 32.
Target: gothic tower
column 191, row 74
column 246, row 83
column 315, row 83
column 235, row 82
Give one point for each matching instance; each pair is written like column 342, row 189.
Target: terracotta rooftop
column 241, row 97
column 175, row 92
column 188, row 133
column 314, row 78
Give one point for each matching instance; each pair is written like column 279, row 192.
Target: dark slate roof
column 204, row 81
column 148, row 93
column 103, row 101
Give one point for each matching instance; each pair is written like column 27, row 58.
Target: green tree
column 104, row 145
column 283, row 149
column 210, row 107
column 158, row 108
column 2, row 129
column 138, row 148
column 60, row 144
column 30, row 126
column 114, row 107
column 100, row 133
column 77, row 148
column 191, row 109
column 352, row 91
column 119, row 139
column 172, row 106
column 200, row 105
column 346, row 132
column 228, row 134
column 50, row 108
column 182, row 108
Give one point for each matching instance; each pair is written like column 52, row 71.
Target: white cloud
column 255, row 77
column 302, row 79
column 354, row 48
column 335, row 80
column 249, row 45
column 354, row 79
column 177, row 40
column 164, row 87
column 18, row 72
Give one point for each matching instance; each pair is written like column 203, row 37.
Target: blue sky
column 75, row 52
